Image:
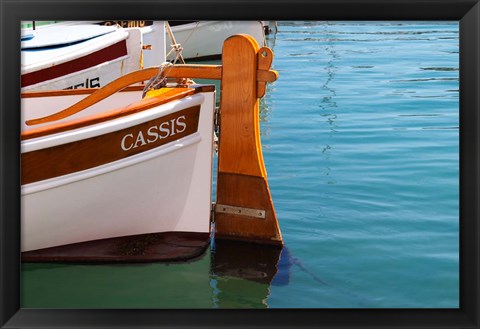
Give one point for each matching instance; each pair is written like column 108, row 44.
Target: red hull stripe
column 103, row 55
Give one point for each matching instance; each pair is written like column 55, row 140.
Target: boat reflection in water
column 230, row 274
column 244, row 272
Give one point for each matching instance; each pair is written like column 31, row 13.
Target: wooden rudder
column 244, row 209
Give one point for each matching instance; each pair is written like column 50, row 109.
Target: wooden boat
column 62, row 56
column 110, row 176
column 87, row 168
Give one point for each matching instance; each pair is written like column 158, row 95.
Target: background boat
column 70, row 56
column 203, row 40
column 200, row 40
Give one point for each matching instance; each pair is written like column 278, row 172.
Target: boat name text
column 128, row 23
column 89, row 83
column 154, row 133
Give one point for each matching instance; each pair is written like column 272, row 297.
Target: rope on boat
column 175, row 46
column 178, row 48
column 158, row 81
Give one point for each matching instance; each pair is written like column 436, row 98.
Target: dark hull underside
column 165, row 247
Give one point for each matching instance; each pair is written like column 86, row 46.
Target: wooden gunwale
column 213, row 72
column 191, row 71
column 142, row 105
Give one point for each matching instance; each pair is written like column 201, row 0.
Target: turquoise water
column 360, row 139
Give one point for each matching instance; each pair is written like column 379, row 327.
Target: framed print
column 135, row 190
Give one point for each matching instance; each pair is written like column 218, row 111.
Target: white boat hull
column 199, row 40
column 164, row 189
column 204, row 39
column 92, row 62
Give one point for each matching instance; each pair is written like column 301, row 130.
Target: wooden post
column 244, row 209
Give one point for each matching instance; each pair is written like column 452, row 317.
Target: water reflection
column 230, row 274
column 243, row 260
column 243, row 272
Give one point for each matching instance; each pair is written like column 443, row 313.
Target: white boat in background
column 71, row 56
column 199, row 40
column 203, row 40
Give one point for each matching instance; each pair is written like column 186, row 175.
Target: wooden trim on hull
column 193, row 71
column 98, row 57
column 92, row 152
column 167, row 246
column 142, row 105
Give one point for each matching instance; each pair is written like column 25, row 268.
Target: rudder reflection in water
column 233, row 274
column 242, row 273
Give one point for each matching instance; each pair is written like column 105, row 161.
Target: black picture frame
column 467, row 12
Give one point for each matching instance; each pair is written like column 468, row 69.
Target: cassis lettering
column 154, row 133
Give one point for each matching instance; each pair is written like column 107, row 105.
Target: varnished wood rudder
column 242, row 177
